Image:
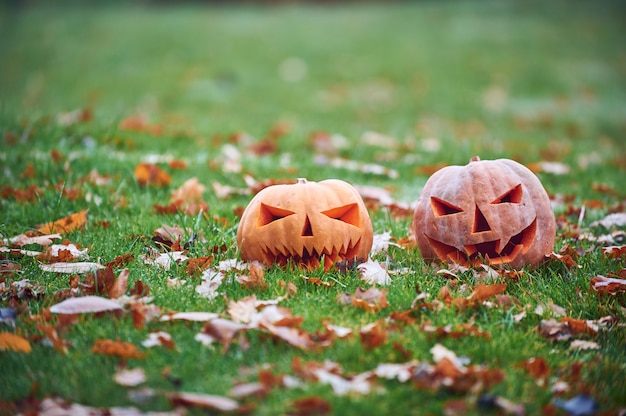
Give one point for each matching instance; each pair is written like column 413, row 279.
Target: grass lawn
column 377, row 95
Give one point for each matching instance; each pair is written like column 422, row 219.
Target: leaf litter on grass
column 568, row 315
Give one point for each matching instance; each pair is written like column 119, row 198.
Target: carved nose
column 480, row 222
column 307, row 231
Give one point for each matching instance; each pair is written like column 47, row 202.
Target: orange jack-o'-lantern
column 307, row 223
column 492, row 211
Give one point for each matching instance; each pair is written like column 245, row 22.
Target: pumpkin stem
column 302, row 180
column 475, row 159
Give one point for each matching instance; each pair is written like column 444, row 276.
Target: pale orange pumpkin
column 306, row 223
column 492, row 211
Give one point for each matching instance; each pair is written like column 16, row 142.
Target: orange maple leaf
column 12, row 342
column 116, row 348
column 65, row 225
column 150, row 174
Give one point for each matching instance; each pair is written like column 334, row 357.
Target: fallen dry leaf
column 293, row 336
column 373, row 273
column 139, row 123
column 130, row 377
column 608, row 285
column 579, row 344
column 552, row 329
column 566, row 259
column 611, row 221
column 255, row 279
column 483, row 292
column 206, row 401
column 372, row 299
column 148, row 174
column 538, row 369
column 580, row 326
column 159, row 338
column 124, row 350
column 373, row 335
column 309, row 406
column 188, row 197
column 13, row 342
column 71, row 268
column 614, row 252
column 190, row 316
column 85, row 304
column 119, row 287
column 255, row 389
column 42, row 240
column 223, row 331
column 53, row 336
column 65, row 225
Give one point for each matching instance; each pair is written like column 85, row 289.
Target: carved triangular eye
column 347, row 213
column 268, row 214
column 441, row 207
column 513, row 196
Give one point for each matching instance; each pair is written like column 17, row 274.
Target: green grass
column 411, row 71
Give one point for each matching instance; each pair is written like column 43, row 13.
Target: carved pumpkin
column 492, row 211
column 306, row 223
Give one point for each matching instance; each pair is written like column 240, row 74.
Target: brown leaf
column 614, row 252
column 142, row 313
column 483, row 292
column 188, row 197
column 579, row 326
column 223, row 330
column 551, row 329
column 428, row 170
column 140, row 124
column 608, row 285
column 30, row 194
column 53, row 336
column 120, row 261
column 13, row 342
column 124, row 350
column 198, row 265
column 316, row 281
column 293, row 336
column 310, row 406
column 256, row 278
column 177, row 164
column 373, row 335
column 159, row 338
column 148, row 174
column 566, row 259
column 140, row 289
column 65, row 225
column 372, row 299
column 538, row 368
column 119, row 287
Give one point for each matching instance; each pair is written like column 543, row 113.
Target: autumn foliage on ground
column 122, row 288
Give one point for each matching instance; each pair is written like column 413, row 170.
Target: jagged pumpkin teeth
column 491, row 211
column 305, row 223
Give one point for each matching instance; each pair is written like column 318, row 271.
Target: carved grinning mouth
column 312, row 259
column 488, row 252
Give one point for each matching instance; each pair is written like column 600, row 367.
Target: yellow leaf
column 64, row 225
column 12, row 342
